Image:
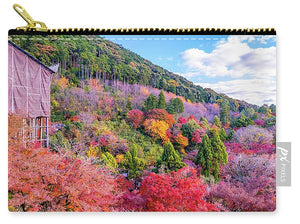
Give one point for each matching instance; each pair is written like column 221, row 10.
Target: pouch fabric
column 153, row 121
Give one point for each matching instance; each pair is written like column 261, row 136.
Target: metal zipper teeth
column 146, row 31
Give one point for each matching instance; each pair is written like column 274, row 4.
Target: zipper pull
column 31, row 24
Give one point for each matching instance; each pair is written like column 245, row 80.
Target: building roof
column 29, row 55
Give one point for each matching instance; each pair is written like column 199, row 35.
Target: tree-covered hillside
column 94, row 57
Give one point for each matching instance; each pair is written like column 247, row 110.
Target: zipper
column 39, row 28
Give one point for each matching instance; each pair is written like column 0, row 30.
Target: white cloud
column 233, row 58
column 255, row 91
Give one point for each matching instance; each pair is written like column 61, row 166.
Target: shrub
column 252, row 134
column 176, row 191
column 248, row 184
column 259, row 122
column 256, row 148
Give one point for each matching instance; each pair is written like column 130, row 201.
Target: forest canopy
column 89, row 56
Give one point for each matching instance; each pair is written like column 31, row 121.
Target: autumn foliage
column 156, row 128
column 176, row 191
column 161, row 115
column 63, row 82
column 135, row 117
column 248, row 184
column 41, row 180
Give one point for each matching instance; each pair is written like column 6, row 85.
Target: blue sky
column 243, row 67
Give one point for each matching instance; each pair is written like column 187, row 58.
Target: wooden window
column 38, row 130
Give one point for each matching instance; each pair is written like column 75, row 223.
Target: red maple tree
column 175, row 191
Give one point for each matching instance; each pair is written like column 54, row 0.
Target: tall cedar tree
column 150, row 103
column 204, row 156
column 175, row 106
column 162, row 101
column 223, row 135
column 217, row 121
column 169, row 159
column 220, row 156
column 224, row 113
column 133, row 163
column 204, row 121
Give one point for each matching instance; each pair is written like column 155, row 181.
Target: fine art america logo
column 283, row 172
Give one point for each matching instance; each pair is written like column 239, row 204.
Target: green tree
column 263, row 109
column 175, row 106
column 189, row 127
column 224, row 112
column 219, row 154
column 248, row 112
column 223, row 135
column 162, row 101
column 170, row 160
column 273, row 108
column 133, row 163
column 163, row 84
column 243, row 121
column 204, row 156
column 217, row 121
column 204, row 121
column 150, row 103
column 230, row 135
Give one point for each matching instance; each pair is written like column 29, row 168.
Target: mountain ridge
column 88, row 56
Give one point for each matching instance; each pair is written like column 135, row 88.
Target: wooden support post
column 47, row 132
